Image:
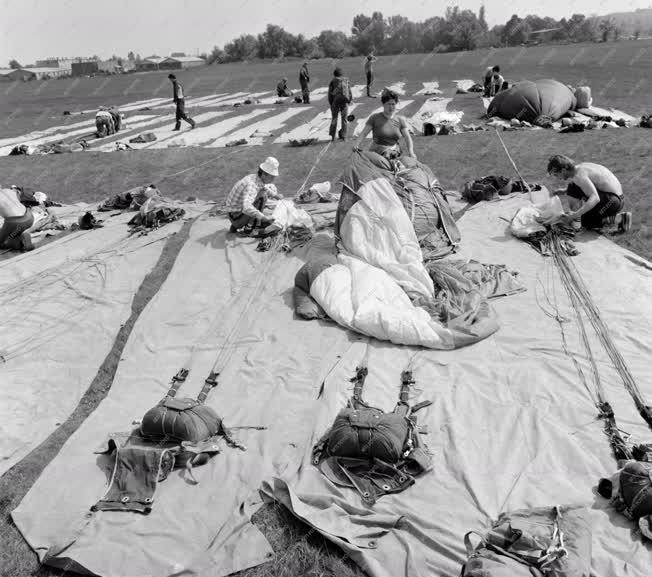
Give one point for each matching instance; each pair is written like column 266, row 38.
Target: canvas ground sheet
column 270, row 378
column 63, row 305
column 511, row 425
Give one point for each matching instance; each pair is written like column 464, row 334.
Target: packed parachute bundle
column 541, row 542
column 176, row 433
column 540, row 102
column 630, row 489
column 370, row 451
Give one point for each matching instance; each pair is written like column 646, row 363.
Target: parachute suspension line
column 527, row 186
column 261, row 275
column 583, row 298
column 617, row 441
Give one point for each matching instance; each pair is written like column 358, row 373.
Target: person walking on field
column 304, row 81
column 180, row 101
column 369, row 72
column 339, row 98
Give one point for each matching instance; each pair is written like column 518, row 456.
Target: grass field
column 618, row 74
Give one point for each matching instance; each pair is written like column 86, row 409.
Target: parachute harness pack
column 371, row 451
column 176, row 433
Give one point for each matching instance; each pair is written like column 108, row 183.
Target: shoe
column 176, row 129
column 625, row 223
column 26, row 242
column 192, row 126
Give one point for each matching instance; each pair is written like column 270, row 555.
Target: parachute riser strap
column 618, row 444
column 359, row 379
column 407, row 381
column 209, row 383
column 177, row 381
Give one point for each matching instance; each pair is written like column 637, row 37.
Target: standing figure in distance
column 180, row 101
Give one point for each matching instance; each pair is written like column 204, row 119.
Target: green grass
column 618, row 76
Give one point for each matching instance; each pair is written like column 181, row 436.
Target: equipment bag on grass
column 176, row 433
column 372, row 451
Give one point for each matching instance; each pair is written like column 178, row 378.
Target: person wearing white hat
column 248, row 197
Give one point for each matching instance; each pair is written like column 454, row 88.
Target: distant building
column 84, row 68
column 150, row 63
column 177, row 62
column 5, row 72
column 38, row 73
column 65, row 63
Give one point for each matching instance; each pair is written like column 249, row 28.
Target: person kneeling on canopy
column 595, row 195
column 248, row 197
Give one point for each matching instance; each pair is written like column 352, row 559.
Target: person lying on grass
column 17, row 219
column 386, row 128
column 595, row 196
column 248, row 198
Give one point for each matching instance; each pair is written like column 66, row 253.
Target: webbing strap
column 359, row 379
column 406, row 382
column 209, row 383
column 177, row 381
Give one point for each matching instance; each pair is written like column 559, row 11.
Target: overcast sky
column 34, row 29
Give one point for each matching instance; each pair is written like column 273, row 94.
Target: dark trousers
column 610, row 205
column 13, row 227
column 181, row 114
column 239, row 219
column 305, row 93
column 339, row 107
column 370, row 79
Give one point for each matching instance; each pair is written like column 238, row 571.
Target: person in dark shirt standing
column 369, row 73
column 339, row 98
column 180, row 101
column 304, row 81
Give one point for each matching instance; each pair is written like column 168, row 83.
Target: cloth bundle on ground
column 526, row 226
column 547, row 541
column 374, row 452
column 379, row 285
column 155, row 212
column 487, row 187
column 630, row 492
column 143, row 138
column 30, row 197
column 320, row 192
column 646, row 121
column 292, row 228
column 540, row 102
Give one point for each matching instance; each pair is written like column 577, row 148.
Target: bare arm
column 405, row 131
column 367, row 129
column 591, row 193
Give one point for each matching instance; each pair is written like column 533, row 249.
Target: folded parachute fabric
column 551, row 541
column 155, row 212
column 379, row 285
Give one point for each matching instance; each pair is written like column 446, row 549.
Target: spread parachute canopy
column 540, row 102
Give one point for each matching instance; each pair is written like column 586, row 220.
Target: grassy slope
column 455, row 159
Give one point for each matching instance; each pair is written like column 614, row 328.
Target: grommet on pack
column 148, row 499
column 402, row 479
column 366, row 494
column 125, row 499
column 386, row 487
column 372, row 544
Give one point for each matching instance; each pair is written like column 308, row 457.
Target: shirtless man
column 17, row 219
column 595, row 196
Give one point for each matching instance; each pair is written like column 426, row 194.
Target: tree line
column 457, row 30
